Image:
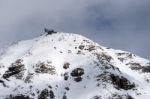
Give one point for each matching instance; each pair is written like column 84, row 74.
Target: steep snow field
column 70, row 66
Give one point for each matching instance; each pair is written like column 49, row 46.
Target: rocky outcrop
column 77, row 73
column 16, row 70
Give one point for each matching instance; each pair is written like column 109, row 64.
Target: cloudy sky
column 120, row 24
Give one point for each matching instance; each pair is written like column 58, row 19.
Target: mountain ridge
column 70, row 66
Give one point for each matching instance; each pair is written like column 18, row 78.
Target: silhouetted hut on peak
column 49, row 31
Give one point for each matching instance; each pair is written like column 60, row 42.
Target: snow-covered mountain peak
column 70, row 66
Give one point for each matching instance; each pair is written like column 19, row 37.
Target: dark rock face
column 81, row 47
column 78, row 79
column 67, row 88
column 116, row 96
column 66, row 65
column 66, row 76
column 135, row 66
column 96, row 97
column 64, row 97
column 1, row 81
column 129, row 97
column 146, row 69
column 29, row 77
column 121, row 82
column 18, row 97
column 79, row 52
column 42, row 67
column 46, row 94
column 16, row 69
column 103, row 57
column 124, row 56
column 91, row 48
column 77, row 73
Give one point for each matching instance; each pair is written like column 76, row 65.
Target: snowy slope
column 70, row 66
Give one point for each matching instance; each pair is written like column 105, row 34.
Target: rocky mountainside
column 70, row 66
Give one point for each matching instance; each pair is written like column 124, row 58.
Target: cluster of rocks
column 43, row 67
column 119, row 82
column 116, row 96
column 16, row 69
column 77, row 74
column 46, row 94
column 124, row 56
column 138, row 66
column 18, row 97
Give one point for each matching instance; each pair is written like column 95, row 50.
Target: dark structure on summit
column 49, row 31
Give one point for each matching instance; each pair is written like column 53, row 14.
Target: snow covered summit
column 70, row 66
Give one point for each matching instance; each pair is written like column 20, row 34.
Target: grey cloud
column 120, row 24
